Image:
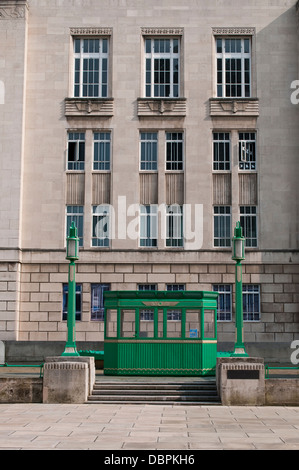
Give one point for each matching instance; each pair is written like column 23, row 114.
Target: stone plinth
column 68, row 379
column 241, row 381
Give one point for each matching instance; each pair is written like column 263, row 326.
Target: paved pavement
column 147, row 427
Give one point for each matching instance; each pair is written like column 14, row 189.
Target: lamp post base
column 70, row 351
column 239, row 351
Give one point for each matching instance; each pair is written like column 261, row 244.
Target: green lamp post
column 72, row 248
column 238, row 248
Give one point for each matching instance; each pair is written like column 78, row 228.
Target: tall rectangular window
column 148, row 151
column 224, row 304
column 221, row 151
column 102, row 151
column 174, row 226
column 78, row 301
column 97, row 300
column 248, row 220
column 148, row 225
column 233, row 57
column 222, row 226
column 247, row 151
column 174, row 151
column 91, row 67
column 251, row 302
column 76, row 151
column 75, row 214
column 162, row 67
column 101, row 229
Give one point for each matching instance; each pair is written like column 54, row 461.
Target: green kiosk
column 160, row 333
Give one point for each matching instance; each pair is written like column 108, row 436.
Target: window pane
column 146, row 323
column 162, row 67
column 193, row 324
column 209, row 323
column 78, row 301
column 233, row 67
column 128, row 323
column 111, row 323
column 174, row 323
column 75, row 214
column 97, row 300
column 90, row 66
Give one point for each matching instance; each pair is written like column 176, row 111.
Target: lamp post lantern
column 238, row 254
column 72, row 248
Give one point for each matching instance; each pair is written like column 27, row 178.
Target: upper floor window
column 222, row 226
column 148, row 151
column 162, row 67
column 221, row 151
column 233, row 57
column 148, row 225
column 247, row 151
column 75, row 214
column 91, row 67
column 101, row 225
column 102, row 151
column 248, row 220
column 174, row 151
column 76, row 151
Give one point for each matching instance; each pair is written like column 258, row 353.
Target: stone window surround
column 235, row 106
column 172, row 107
column 90, row 106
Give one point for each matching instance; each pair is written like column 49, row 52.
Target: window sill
column 88, row 107
column 147, row 107
column 234, row 107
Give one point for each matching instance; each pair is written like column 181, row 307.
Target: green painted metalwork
column 160, row 333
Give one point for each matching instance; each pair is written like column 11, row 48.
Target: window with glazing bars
column 248, row 220
column 102, row 151
column 174, row 226
column 233, row 57
column 247, row 151
column 75, row 214
column 224, row 304
column 78, row 301
column 101, row 225
column 222, row 226
column 76, row 151
column 97, row 300
column 221, row 151
column 174, row 151
column 148, row 225
column 148, row 151
column 91, row 67
column 162, row 67
column 251, row 302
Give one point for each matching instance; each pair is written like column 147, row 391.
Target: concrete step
column 202, row 392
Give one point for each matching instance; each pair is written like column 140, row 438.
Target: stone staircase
column 155, row 391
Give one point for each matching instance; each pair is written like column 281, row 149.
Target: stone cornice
column 91, row 31
column 162, row 31
column 234, row 31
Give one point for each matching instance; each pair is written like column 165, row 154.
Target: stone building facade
column 155, row 126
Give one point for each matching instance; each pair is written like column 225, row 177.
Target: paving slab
column 147, row 427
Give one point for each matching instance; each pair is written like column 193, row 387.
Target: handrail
column 24, row 365
column 268, row 368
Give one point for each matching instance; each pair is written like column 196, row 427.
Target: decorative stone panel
column 234, row 107
column 88, row 107
column 175, row 107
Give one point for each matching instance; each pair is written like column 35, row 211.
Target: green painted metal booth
column 160, row 333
